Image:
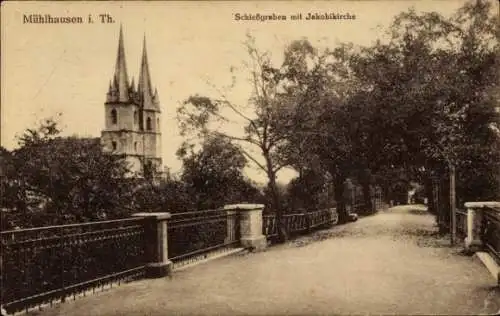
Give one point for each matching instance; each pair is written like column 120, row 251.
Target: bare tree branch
column 254, row 160
column 248, row 140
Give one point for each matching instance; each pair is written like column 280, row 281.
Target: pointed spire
column 156, row 99
column 115, row 84
column 109, row 95
column 121, row 77
column 144, row 85
column 132, row 85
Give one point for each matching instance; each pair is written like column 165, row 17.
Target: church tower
column 132, row 117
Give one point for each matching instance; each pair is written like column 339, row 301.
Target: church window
column 135, row 117
column 114, row 145
column 148, row 124
column 114, row 117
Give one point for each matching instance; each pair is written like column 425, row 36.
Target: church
column 133, row 117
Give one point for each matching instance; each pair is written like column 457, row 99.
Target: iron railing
column 269, row 227
column 47, row 264
column 299, row 223
column 357, row 202
column 461, row 220
column 491, row 231
column 194, row 234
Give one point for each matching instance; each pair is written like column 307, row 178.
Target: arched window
column 113, row 143
column 148, row 124
column 114, row 116
column 135, row 146
column 135, row 117
column 157, row 123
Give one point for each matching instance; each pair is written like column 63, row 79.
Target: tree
column 58, row 180
column 170, row 195
column 434, row 79
column 404, row 104
column 214, row 174
column 321, row 115
column 198, row 114
column 309, row 191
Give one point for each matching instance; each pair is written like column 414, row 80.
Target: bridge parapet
column 483, row 234
column 250, row 216
column 478, row 214
column 156, row 245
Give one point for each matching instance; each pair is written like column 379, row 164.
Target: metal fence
column 461, row 219
column 47, row 264
column 194, row 234
column 357, row 204
column 299, row 223
column 491, row 231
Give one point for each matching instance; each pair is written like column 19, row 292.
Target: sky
column 65, row 68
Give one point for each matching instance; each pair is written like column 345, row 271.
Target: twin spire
column 120, row 80
column 121, row 91
column 144, row 85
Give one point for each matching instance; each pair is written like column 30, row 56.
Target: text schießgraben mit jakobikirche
column 299, row 16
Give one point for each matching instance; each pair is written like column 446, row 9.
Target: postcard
column 322, row 151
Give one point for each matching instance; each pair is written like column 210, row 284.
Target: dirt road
column 389, row 263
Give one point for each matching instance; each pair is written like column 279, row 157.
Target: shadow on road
column 418, row 212
column 416, row 209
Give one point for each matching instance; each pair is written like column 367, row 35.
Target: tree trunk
column 276, row 206
column 444, row 206
column 367, row 196
column 386, row 191
column 429, row 194
column 339, row 198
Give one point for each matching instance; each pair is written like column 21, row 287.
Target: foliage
column 199, row 113
column 309, row 191
column 416, row 105
column 432, row 97
column 170, row 195
column 213, row 176
column 54, row 180
column 420, row 102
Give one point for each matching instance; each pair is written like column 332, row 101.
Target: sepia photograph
column 250, row 158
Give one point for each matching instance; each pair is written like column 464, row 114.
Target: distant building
column 132, row 117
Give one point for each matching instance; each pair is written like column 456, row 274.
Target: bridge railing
column 47, row 264
column 299, row 223
column 192, row 235
column 461, row 220
column 490, row 235
column 483, row 227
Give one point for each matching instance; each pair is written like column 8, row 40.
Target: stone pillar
column 250, row 216
column 156, row 244
column 473, row 241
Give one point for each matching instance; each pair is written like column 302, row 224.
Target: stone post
column 473, row 241
column 156, row 244
column 250, row 216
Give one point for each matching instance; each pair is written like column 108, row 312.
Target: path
column 390, row 263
